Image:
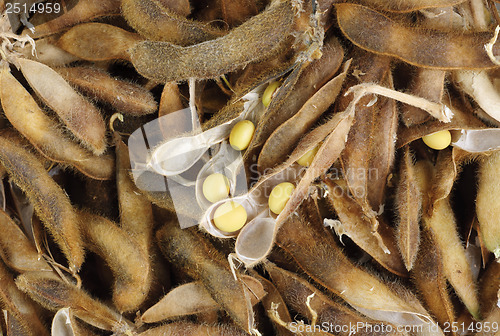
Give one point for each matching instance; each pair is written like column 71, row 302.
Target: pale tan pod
column 51, row 203
column 23, row 311
column 193, row 298
column 84, row 41
column 83, row 11
column 45, row 134
column 487, row 207
column 125, row 97
column 127, row 261
column 81, row 117
column 441, row 222
column 16, row 250
column 51, row 292
column 48, row 53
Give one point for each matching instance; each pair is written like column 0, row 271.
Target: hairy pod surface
column 157, row 22
column 262, row 34
column 44, row 132
column 51, row 203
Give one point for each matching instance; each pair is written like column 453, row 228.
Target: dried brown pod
column 365, row 168
column 430, row 280
column 24, row 314
column 16, row 250
column 85, row 41
column 192, row 329
column 189, row 250
column 66, row 323
column 354, row 224
column 297, row 88
column 44, row 132
column 82, row 118
column 319, row 309
column 317, row 254
column 486, row 208
column 410, row 5
column 489, row 286
column 128, row 262
column 136, row 213
column 282, row 141
column 408, row 209
column 445, row 172
column 51, row 203
column 377, row 33
column 428, row 84
column 462, row 120
column 53, row 293
column 441, row 222
column 48, row 53
column 126, row 97
column 273, row 300
column 193, row 298
column 83, row 11
column 263, row 34
column 180, row 7
column 157, row 22
column 234, row 13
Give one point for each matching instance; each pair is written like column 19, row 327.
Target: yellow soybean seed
column 216, row 187
column 268, row 93
column 279, row 196
column 241, row 134
column 230, row 217
column 439, row 140
column 306, row 159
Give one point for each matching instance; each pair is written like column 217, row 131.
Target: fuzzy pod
column 126, row 97
column 51, row 203
column 317, row 254
column 16, row 250
column 442, row 224
column 157, row 22
column 304, row 298
column 23, row 314
column 53, row 293
column 487, row 209
column 408, row 210
column 128, row 262
column 82, row 118
column 45, row 133
column 422, row 47
column 189, row 250
column 255, row 40
column 83, row 11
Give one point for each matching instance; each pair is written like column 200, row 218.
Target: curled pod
column 256, row 39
